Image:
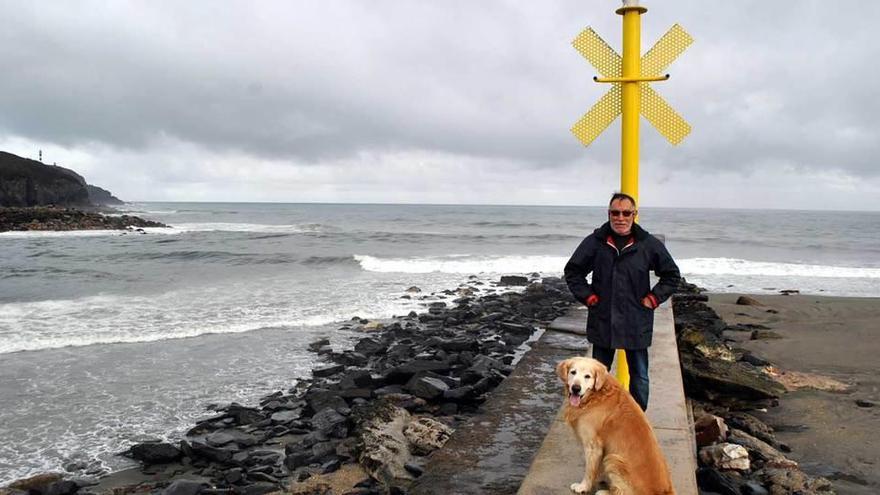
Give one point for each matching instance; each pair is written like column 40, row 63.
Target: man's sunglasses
column 621, row 213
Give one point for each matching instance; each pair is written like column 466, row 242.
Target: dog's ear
column 600, row 373
column 562, row 369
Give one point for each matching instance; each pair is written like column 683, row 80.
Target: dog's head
column 582, row 376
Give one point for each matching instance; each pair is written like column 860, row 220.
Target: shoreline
column 779, row 313
column 825, row 349
column 440, row 364
column 64, row 219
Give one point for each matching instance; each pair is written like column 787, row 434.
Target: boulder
column 760, row 449
column 154, row 453
column 331, row 423
column 784, row 481
column 383, row 450
column 513, row 280
column 426, row 387
column 224, row 437
column 725, row 456
column 326, row 371
column 184, row 487
column 426, row 435
column 710, row 429
column 748, row 301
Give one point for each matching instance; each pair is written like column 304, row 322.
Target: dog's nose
column 575, row 389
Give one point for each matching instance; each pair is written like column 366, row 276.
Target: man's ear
column 601, row 373
column 562, row 369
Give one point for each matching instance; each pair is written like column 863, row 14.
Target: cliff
column 25, row 182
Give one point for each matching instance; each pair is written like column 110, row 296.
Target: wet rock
column 402, row 373
column 65, row 487
column 865, row 403
column 259, row 488
column 711, row 480
column 319, row 399
column 748, row 301
column 710, row 429
column 285, row 417
column 201, row 450
column 225, row 437
column 760, row 449
column 184, row 487
column 784, row 481
column 513, row 280
column 326, row 371
column 331, row 423
column 356, row 379
column 725, row 456
column 765, row 335
column 426, row 387
column 426, row 435
column 383, row 449
column 153, row 453
column 730, row 378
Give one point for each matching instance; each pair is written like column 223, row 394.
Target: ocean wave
column 740, row 267
column 93, row 320
column 464, row 264
column 247, row 227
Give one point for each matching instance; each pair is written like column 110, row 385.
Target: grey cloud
column 310, row 81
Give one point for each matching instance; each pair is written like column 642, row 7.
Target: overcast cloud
column 438, row 102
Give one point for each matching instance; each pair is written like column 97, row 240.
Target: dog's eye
column 574, row 372
column 587, row 375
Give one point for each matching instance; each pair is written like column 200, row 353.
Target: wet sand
column 832, row 433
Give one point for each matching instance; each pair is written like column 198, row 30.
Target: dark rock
column 330, row 466
column 154, row 453
column 712, row 480
column 260, row 476
column 402, row 373
column 322, row 452
column 184, row 487
column 733, row 378
column 326, row 371
column 319, row 399
column 356, row 379
column 259, row 488
column 765, row 335
column 426, row 387
column 284, row 417
column 331, row 423
column 369, row 346
column 201, row 450
column 297, row 459
column 748, row 301
column 224, row 437
column 234, row 475
column 750, row 487
column 513, row 280
column 65, row 487
column 865, row 403
column 413, row 468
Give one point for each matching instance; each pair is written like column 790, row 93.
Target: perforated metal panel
column 599, row 117
column 667, row 49
column 609, row 64
column 655, row 109
column 598, row 53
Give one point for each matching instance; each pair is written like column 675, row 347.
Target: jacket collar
column 637, row 232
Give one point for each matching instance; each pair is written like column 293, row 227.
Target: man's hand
column 592, row 300
column 650, row 301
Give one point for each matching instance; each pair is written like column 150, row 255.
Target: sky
column 449, row 102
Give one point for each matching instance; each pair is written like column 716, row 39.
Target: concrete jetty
column 521, row 445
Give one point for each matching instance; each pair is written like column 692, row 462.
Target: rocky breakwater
column 728, row 387
column 49, row 218
column 366, row 419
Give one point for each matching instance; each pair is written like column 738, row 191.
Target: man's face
column 621, row 214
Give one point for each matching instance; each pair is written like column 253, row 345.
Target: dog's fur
column 619, row 444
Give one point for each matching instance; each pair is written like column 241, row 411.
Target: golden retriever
column 619, row 444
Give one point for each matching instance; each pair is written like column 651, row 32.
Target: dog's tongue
column 574, row 400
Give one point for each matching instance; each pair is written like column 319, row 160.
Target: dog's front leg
column 592, row 461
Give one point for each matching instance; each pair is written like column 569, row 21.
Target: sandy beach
column 830, row 340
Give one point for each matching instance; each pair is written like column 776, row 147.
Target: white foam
column 94, row 320
column 463, row 264
column 78, row 233
column 243, row 227
column 740, row 267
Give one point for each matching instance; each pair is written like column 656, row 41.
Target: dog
column 619, row 444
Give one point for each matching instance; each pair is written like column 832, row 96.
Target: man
column 620, row 255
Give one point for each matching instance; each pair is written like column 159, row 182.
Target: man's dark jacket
column 621, row 280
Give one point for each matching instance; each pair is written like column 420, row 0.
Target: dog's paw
column 579, row 487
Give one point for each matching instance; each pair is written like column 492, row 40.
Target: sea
column 108, row 338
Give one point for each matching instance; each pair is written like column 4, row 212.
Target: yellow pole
column 629, row 146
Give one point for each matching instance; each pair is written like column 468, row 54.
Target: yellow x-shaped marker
column 653, row 107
